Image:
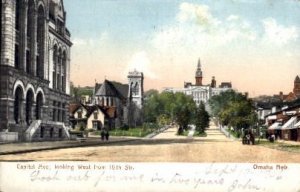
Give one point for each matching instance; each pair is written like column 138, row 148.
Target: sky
column 254, row 44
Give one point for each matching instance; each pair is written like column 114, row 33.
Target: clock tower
column 198, row 75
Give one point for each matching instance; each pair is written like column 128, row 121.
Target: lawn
column 131, row 132
column 280, row 145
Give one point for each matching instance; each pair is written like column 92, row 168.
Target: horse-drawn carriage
column 248, row 137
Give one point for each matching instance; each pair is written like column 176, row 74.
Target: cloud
column 232, row 18
column 199, row 30
column 140, row 62
column 279, row 34
column 197, row 13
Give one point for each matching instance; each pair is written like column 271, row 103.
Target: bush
column 81, row 126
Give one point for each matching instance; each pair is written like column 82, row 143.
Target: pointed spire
column 297, row 79
column 199, row 64
column 199, row 71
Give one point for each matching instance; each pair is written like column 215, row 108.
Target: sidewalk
column 16, row 148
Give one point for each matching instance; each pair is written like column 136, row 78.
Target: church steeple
column 297, row 86
column 198, row 75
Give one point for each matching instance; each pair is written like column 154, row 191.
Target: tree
column 168, row 107
column 150, row 93
column 233, row 109
column 201, row 118
column 183, row 109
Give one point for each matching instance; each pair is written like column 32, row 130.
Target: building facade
column 34, row 70
column 200, row 92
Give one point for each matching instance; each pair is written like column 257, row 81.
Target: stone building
column 127, row 99
column 34, row 70
column 199, row 91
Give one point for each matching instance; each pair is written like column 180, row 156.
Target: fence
column 224, row 131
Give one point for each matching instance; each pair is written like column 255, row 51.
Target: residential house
column 91, row 117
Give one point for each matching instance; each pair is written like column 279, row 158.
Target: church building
column 199, row 91
column 34, row 70
column 126, row 99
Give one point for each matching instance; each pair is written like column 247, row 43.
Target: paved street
column 167, row 147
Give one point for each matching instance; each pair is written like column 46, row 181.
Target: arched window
column 30, row 36
column 39, row 106
column 29, row 103
column 40, row 42
column 63, row 71
column 17, row 27
column 18, row 15
column 58, row 69
column 18, row 104
column 55, row 55
column 135, row 89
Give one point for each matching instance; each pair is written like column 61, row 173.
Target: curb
column 151, row 135
column 65, row 147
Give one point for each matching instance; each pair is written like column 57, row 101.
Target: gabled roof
column 106, row 90
column 109, row 112
column 114, row 89
column 97, row 87
column 121, row 88
column 73, row 107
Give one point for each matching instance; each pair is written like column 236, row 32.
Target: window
column 28, row 62
column 18, row 14
column 135, row 89
column 95, row 115
column 17, row 57
column 40, row 41
column 51, row 132
column 112, row 101
column 54, row 58
column 18, row 104
column 79, row 114
column 95, row 125
column 58, row 113
column 54, row 111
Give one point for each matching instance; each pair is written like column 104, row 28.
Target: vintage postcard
column 147, row 95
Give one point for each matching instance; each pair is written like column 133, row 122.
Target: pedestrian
column 107, row 135
column 102, row 135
